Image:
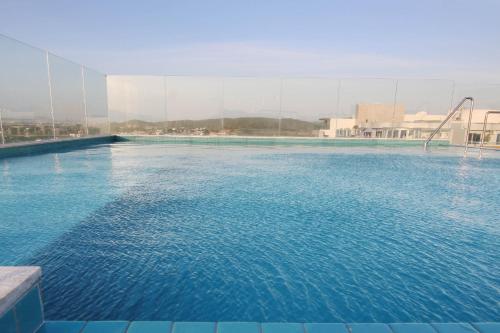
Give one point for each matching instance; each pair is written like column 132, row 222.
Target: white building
column 394, row 124
column 338, row 127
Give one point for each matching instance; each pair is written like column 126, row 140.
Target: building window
column 474, row 137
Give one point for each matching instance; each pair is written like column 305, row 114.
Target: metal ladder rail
column 462, row 102
column 485, row 122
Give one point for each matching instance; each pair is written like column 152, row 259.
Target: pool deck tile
column 282, row 328
column 412, row 328
column 193, row 327
column 150, row 327
column 487, row 327
column 326, row 328
column 106, row 327
column 454, row 328
column 238, row 327
column 369, row 328
column 15, row 282
column 62, row 327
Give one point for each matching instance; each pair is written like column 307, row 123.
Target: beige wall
column 367, row 114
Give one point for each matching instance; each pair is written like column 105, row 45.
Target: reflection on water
column 46, row 195
column 57, row 164
column 5, row 164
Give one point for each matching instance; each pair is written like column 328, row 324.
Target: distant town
column 376, row 121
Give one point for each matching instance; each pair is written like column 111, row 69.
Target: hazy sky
column 419, row 38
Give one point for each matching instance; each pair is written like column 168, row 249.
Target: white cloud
column 265, row 59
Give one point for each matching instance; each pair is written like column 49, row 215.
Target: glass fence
column 305, row 107
column 46, row 97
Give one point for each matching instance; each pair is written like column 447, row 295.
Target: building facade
column 390, row 122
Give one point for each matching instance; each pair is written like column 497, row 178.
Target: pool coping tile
column 106, row 326
column 325, row 328
column 369, row 328
column 238, row 327
column 194, row 327
column 487, row 327
column 454, row 328
column 146, row 326
column 282, row 327
column 62, row 326
column 15, row 283
column 412, row 328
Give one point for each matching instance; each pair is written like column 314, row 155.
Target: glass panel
column 118, row 90
column 357, row 108
column 158, row 105
column 68, row 98
column 97, row 104
column 367, row 108
column 486, row 98
column 251, row 106
column 24, row 92
column 194, row 105
column 307, row 106
column 425, row 104
column 137, row 104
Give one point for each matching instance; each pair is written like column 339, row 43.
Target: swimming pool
column 257, row 233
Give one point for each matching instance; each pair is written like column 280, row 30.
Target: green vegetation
column 258, row 126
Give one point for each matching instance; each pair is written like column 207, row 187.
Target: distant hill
column 236, row 126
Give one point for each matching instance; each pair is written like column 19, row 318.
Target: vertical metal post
column 483, row 134
column 468, row 126
column 395, row 101
column 165, row 102
column 49, row 78
column 338, row 97
column 84, row 97
column 107, row 102
column 222, row 102
column 281, row 104
column 1, row 127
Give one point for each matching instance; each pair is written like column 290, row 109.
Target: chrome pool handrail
column 448, row 118
column 484, row 130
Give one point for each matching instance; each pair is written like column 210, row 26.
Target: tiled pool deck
column 252, row 327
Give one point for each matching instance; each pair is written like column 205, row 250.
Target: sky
column 395, row 39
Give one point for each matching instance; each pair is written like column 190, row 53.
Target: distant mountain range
column 236, row 126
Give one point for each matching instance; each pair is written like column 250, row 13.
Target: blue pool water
column 205, row 233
